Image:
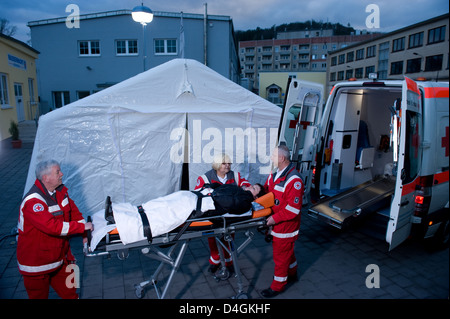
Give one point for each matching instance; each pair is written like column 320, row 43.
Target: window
column 413, row 151
column 340, row 75
column 31, row 90
column 415, row 40
column 82, row 94
column 371, row 51
column 397, row 67
column 333, row 76
column 126, row 47
column 333, row 61
column 434, row 63
column 436, row 35
column 166, row 46
column 341, row 58
column 370, row 69
column 60, row 98
column 413, row 65
column 4, row 97
column 398, row 45
column 350, row 56
column 348, row 74
column 359, row 54
column 89, row 48
column 359, row 73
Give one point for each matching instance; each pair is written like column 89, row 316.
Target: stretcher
column 223, row 226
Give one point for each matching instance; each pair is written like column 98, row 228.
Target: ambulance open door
column 406, row 134
column 298, row 130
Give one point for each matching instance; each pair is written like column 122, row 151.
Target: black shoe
column 213, row 268
column 269, row 293
column 293, row 278
column 109, row 215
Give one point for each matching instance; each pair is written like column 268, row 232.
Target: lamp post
column 143, row 15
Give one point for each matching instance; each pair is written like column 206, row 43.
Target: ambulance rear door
column 406, row 137
column 298, row 130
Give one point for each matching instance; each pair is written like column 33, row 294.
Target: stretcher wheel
column 122, row 254
column 241, row 295
column 222, row 274
column 139, row 291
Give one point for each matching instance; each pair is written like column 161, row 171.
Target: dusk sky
column 246, row 14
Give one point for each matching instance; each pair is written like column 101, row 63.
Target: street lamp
column 143, row 15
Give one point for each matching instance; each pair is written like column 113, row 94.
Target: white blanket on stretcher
column 164, row 214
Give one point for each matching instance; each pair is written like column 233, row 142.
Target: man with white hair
column 47, row 218
column 287, row 187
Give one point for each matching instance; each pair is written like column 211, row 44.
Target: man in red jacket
column 287, row 187
column 47, row 218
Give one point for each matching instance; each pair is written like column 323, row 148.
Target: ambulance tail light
column 419, row 199
column 422, row 197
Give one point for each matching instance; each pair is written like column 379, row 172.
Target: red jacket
column 210, row 177
column 288, row 192
column 45, row 224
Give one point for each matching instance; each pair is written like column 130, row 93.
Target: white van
column 378, row 147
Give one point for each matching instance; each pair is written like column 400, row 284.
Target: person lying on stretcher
column 166, row 213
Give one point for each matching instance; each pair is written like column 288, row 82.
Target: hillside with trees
column 270, row 33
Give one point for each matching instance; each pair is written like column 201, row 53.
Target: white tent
column 129, row 141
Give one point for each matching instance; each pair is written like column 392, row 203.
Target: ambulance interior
column 355, row 173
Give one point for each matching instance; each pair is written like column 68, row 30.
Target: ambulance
column 377, row 151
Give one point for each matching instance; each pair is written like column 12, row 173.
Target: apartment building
column 420, row 50
column 108, row 47
column 303, row 51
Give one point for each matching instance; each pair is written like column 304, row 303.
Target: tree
column 6, row 28
column 270, row 33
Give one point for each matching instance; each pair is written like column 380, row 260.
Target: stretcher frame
column 226, row 230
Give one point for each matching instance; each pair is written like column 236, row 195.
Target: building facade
column 272, row 85
column 306, row 54
column 18, row 83
column 108, row 47
column 419, row 50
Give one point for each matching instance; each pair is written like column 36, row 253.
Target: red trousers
column 214, row 259
column 285, row 263
column 38, row 286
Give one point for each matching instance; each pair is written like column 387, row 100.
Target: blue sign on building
column 17, row 62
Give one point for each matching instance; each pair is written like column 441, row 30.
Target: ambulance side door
column 408, row 140
column 298, row 129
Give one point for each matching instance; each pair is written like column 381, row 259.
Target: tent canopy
column 130, row 141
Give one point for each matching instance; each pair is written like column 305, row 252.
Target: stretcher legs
column 164, row 258
column 175, row 261
column 224, row 274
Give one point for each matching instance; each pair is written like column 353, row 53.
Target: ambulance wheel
column 443, row 235
column 441, row 239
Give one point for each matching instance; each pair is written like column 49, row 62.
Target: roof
column 180, row 85
column 385, row 35
column 26, row 46
column 128, row 12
